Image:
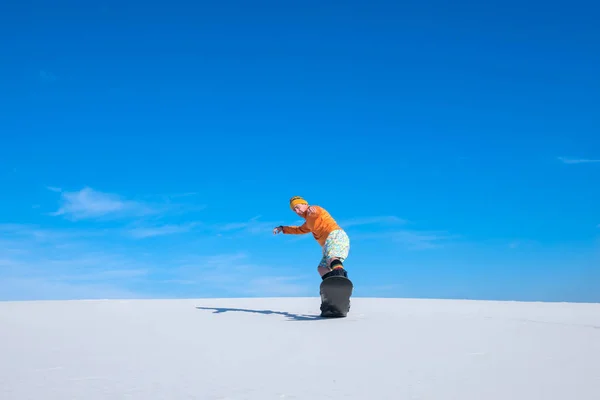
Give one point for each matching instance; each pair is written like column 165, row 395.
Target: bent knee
column 323, row 270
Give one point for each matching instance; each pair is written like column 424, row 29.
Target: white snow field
column 273, row 348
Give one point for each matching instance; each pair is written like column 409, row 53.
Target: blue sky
column 148, row 149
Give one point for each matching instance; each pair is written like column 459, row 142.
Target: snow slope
column 277, row 349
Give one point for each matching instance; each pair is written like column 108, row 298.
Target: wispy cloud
column 26, row 233
column 407, row 239
column 391, row 289
column 277, row 286
column 375, row 220
column 415, row 240
column 147, row 232
column 88, row 203
column 47, row 76
column 35, row 288
column 97, row 261
column 236, row 274
column 209, row 268
column 46, row 263
column 522, row 243
column 92, row 204
column 37, row 262
column 391, row 228
column 567, row 160
column 252, row 226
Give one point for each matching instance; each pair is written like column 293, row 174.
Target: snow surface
column 278, row 349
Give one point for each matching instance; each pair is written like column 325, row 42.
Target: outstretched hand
column 277, row 230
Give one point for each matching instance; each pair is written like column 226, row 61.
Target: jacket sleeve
column 296, row 230
column 307, row 226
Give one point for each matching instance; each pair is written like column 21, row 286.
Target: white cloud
column 37, row 262
column 235, row 274
column 568, row 160
column 34, row 288
column 88, row 203
column 252, row 226
column 419, row 240
column 42, row 263
column 29, row 233
column 522, row 243
column 146, row 232
column 46, row 261
column 277, row 286
column 411, row 240
column 376, row 220
column 47, row 76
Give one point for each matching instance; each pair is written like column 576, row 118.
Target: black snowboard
column 335, row 296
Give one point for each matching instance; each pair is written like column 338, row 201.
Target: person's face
column 300, row 209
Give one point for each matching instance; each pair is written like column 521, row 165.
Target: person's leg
column 335, row 252
column 323, row 267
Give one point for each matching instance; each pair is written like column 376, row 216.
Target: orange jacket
column 320, row 224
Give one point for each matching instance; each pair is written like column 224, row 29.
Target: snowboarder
column 333, row 239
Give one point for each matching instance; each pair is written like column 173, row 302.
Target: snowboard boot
column 339, row 271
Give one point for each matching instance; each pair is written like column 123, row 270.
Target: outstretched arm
column 296, row 230
column 312, row 213
column 293, row 230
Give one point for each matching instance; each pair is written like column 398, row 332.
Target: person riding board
column 334, row 241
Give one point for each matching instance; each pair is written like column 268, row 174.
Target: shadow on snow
column 291, row 316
